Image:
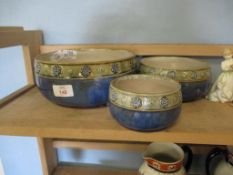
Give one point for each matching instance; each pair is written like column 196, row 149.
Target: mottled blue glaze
column 143, row 120
column 87, row 93
column 194, row 90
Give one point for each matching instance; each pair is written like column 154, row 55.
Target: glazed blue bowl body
column 193, row 75
column 80, row 77
column 194, row 90
column 144, row 120
column 87, row 92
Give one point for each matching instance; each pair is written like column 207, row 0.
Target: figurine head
column 227, row 54
column 227, row 64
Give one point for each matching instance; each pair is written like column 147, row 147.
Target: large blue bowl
column 145, row 102
column 81, row 78
column 86, row 93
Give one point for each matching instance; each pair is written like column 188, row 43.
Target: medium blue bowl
column 194, row 90
column 193, row 75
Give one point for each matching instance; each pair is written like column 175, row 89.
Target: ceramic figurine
column 145, row 102
column 224, row 166
column 81, row 78
column 193, row 75
column 222, row 89
column 166, row 159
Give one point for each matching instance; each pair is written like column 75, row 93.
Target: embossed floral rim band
column 179, row 75
column 86, row 71
column 144, row 102
column 110, row 76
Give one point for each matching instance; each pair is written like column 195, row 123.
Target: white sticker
column 63, row 90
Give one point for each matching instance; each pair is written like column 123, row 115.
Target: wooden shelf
column 91, row 170
column 31, row 114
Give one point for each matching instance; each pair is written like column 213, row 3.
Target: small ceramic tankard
column 224, row 166
column 166, row 158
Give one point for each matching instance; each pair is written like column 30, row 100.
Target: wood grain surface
column 153, row 49
column 200, row 122
column 92, row 170
column 33, row 39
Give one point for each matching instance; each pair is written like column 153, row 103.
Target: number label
column 63, row 90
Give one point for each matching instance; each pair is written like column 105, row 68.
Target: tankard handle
column 187, row 150
column 212, row 154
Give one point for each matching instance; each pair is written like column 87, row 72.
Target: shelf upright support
column 48, row 155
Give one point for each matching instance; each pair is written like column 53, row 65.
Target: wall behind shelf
column 9, row 78
column 20, row 156
column 128, row 21
column 17, row 154
column 114, row 21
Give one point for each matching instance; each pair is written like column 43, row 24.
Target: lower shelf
column 91, row 170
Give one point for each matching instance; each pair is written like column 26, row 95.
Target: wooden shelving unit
column 31, row 114
column 28, row 113
column 92, row 170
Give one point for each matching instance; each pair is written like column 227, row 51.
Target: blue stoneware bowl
column 145, row 102
column 81, row 78
column 193, row 75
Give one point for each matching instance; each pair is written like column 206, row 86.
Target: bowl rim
column 40, row 58
column 145, row 102
column 149, row 76
column 207, row 66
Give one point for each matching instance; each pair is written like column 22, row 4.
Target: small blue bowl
column 145, row 102
column 81, row 78
column 142, row 120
